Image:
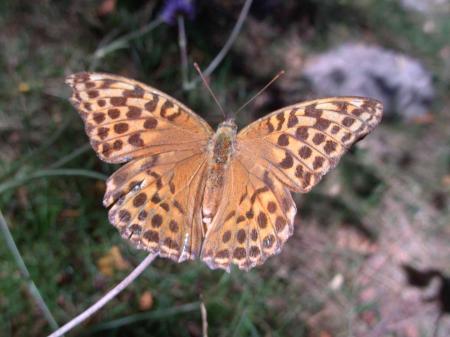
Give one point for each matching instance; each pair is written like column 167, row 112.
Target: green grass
column 46, row 169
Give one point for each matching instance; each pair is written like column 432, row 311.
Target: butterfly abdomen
column 220, row 151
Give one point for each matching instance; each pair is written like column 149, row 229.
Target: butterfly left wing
column 156, row 203
column 300, row 143
column 289, row 149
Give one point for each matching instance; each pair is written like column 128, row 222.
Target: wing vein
column 284, row 174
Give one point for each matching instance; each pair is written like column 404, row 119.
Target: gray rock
column 425, row 6
column 399, row 81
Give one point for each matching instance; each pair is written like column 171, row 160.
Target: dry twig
column 225, row 49
column 106, row 298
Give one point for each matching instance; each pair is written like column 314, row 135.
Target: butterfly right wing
column 126, row 119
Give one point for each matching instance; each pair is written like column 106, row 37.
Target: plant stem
column 49, row 173
column 123, row 41
column 147, row 316
column 225, row 49
column 70, row 156
column 53, row 138
column 106, row 298
column 183, row 51
column 204, row 319
column 32, row 289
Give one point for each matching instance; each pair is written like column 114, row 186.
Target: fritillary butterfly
column 188, row 192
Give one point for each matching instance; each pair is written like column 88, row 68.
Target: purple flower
column 173, row 8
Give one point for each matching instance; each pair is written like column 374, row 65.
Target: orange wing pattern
column 126, row 119
column 300, row 143
column 254, row 221
column 155, row 197
column 156, row 203
column 290, row 149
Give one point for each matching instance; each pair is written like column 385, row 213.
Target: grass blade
column 32, row 289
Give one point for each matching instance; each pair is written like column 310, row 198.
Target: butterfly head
column 228, row 123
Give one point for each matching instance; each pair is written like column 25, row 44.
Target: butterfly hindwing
column 254, row 221
column 156, row 203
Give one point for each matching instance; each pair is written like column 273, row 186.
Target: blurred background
column 370, row 253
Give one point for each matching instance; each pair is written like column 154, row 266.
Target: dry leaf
column 446, row 180
column 100, row 186
column 106, row 7
column 111, row 262
column 354, row 241
column 425, row 119
column 70, row 213
column 325, row 334
column 24, row 87
column 146, row 301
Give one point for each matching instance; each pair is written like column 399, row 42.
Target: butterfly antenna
column 259, row 92
column 209, row 89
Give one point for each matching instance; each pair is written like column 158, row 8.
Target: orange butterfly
column 188, row 192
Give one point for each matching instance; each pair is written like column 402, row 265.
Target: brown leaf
column 325, row 334
column 100, row 186
column 146, row 301
column 446, row 180
column 425, row 119
column 70, row 213
column 106, row 7
column 23, row 87
column 354, row 241
column 111, row 262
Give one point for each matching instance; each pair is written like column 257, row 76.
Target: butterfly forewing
column 155, row 197
column 125, row 119
column 300, row 143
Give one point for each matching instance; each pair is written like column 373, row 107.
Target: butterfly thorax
column 221, row 147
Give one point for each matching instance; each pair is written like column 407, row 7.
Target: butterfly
column 187, row 192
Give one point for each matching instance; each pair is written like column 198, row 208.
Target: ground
column 342, row 272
